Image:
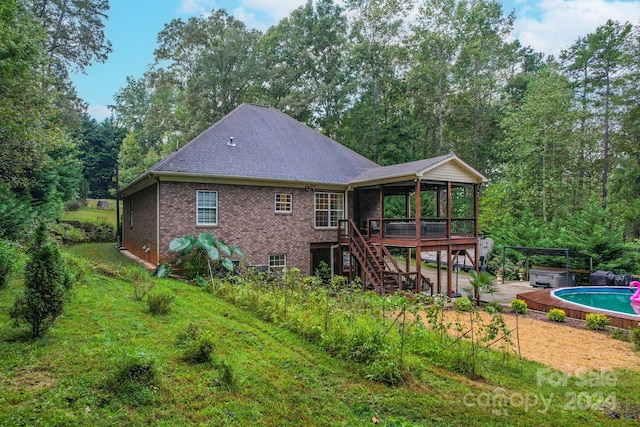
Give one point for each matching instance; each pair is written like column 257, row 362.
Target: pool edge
column 542, row 300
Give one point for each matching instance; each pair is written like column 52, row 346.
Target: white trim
column 215, row 208
column 277, row 267
column 285, row 203
column 328, row 210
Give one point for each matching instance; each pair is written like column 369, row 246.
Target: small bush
column 135, row 378
column 634, row 335
column 47, row 284
column 229, row 377
column 100, row 231
column 463, row 304
column 72, row 205
column 160, row 302
column 141, row 289
column 556, row 315
column 619, row 334
column 196, row 344
column 597, row 321
column 519, row 306
column 139, row 279
column 385, row 369
column 494, row 307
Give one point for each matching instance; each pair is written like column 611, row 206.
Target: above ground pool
column 606, row 298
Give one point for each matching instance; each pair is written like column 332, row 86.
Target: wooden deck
column 542, row 300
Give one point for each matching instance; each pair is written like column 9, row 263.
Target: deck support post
column 418, row 240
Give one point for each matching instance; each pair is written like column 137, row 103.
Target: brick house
column 290, row 197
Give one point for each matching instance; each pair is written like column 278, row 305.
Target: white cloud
column 250, row 20
column 196, row 7
column 557, row 24
column 99, row 112
column 276, row 10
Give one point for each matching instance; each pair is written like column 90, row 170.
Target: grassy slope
column 62, row 379
column 91, row 213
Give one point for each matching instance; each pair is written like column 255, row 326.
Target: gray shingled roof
column 268, row 145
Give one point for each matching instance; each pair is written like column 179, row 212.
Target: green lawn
column 91, row 213
column 67, row 377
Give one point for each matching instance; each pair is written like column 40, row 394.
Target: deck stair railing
column 372, row 260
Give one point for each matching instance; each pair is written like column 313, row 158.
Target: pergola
column 529, row 251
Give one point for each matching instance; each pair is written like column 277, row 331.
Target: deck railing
column 430, row 228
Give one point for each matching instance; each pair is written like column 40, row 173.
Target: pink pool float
column 635, row 298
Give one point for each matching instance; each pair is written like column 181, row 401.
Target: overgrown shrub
column 68, row 233
column 519, row 306
column 47, row 282
column 72, row 205
column 463, row 304
column 597, row 321
column 195, row 343
column 8, row 254
column 140, row 281
column 135, row 378
column 385, row 369
column 159, row 301
column 100, row 231
column 556, row 315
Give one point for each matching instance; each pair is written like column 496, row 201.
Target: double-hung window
column 277, row 261
column 283, row 203
column 329, row 209
column 207, row 207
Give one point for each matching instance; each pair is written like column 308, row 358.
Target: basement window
column 277, row 262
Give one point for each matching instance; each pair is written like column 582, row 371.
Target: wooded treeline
column 51, row 152
column 395, row 80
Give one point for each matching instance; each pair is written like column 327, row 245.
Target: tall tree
column 75, row 32
column 211, row 61
column 303, row 65
column 376, row 32
column 594, row 64
column 99, row 155
column 624, row 195
column 435, row 41
column 481, row 70
column 24, row 105
column 539, row 139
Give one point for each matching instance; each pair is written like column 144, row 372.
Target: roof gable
column 267, row 144
column 443, row 168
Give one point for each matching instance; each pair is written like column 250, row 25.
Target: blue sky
column 546, row 25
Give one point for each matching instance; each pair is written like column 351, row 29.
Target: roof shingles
column 268, row 145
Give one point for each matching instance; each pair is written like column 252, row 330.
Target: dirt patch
column 566, row 347
column 33, row 379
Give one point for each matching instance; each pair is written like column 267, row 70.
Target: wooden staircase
column 376, row 271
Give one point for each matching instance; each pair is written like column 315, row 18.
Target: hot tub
column 551, row 278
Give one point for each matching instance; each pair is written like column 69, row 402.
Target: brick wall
column 139, row 231
column 247, row 218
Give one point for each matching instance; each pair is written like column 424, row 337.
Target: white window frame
column 333, row 215
column 273, row 266
column 199, row 207
column 279, row 204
